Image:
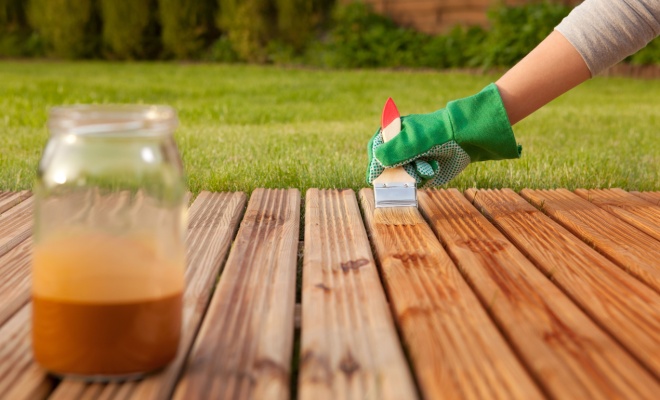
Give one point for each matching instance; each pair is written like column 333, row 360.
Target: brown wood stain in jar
column 106, row 338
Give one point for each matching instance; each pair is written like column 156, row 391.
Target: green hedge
column 271, row 31
column 361, row 38
column 649, row 55
column 249, row 26
column 263, row 30
column 70, row 28
column 16, row 39
column 187, row 26
column 12, row 16
column 515, row 31
column 295, row 21
column 130, row 29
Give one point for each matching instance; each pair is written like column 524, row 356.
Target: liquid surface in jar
column 85, row 265
column 105, row 304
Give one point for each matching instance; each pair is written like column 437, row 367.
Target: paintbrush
column 395, row 191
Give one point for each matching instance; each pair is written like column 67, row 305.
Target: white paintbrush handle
column 397, row 174
column 391, row 130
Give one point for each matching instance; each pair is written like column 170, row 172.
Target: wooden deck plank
column 73, row 389
column 569, row 355
column 10, row 199
column 20, row 378
column 634, row 210
column 15, row 225
column 244, row 347
column 455, row 348
column 651, row 197
column 31, row 384
column 15, row 279
column 619, row 303
column 350, row 348
column 213, row 221
column 634, row 251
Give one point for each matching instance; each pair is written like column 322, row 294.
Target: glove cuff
column 481, row 126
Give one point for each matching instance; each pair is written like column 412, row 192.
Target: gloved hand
column 435, row 147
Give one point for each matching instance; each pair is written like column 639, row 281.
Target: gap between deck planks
column 593, row 282
column 455, row 349
column 214, row 218
column 627, row 246
column 651, row 197
column 244, row 347
column 15, row 279
column 213, row 221
column 632, row 209
column 10, row 199
column 566, row 352
column 16, row 220
column 350, row 348
column 29, row 382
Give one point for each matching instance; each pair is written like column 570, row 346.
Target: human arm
column 539, row 78
column 594, row 36
column 435, row 147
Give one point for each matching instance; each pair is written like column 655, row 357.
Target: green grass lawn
column 244, row 127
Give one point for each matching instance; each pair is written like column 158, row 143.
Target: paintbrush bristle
column 397, row 216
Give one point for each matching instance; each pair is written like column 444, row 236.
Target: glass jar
column 109, row 252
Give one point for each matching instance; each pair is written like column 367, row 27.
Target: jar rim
column 112, row 120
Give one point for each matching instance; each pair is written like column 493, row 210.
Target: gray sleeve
column 605, row 32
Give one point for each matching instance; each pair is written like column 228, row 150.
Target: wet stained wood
column 244, row 347
column 636, row 211
column 213, row 221
column 569, row 355
column 634, row 251
column 455, row 349
column 15, row 225
column 349, row 346
column 619, row 303
column 651, row 197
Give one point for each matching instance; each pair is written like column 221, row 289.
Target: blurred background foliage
column 318, row 33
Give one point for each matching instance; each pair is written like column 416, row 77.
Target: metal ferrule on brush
column 395, row 194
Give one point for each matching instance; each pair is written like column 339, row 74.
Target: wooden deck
column 490, row 294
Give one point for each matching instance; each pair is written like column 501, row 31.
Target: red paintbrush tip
column 390, row 113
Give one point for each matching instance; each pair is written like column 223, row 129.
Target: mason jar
column 109, row 252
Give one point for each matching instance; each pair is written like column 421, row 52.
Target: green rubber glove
column 435, row 147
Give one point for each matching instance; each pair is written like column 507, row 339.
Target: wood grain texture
column 244, row 347
column 20, row 377
column 634, row 210
column 455, row 349
column 350, row 348
column 15, row 225
column 634, row 251
column 31, row 384
column 15, row 279
column 10, row 199
column 651, row 197
column 569, row 355
column 213, row 221
column 619, row 303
